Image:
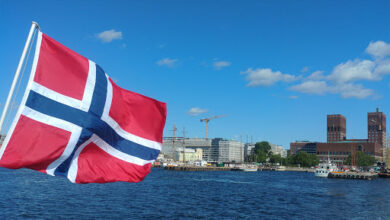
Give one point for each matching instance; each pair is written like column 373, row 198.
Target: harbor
column 198, row 168
column 353, row 175
column 333, row 175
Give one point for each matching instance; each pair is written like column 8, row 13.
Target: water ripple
column 164, row 194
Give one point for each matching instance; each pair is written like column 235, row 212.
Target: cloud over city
column 265, row 77
column 221, row 64
column 196, row 111
column 167, row 62
column 346, row 78
column 109, row 35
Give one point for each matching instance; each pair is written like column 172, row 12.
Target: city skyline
column 275, row 69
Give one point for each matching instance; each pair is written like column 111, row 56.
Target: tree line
column 262, row 154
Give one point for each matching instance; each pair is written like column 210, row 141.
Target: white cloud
column 293, row 97
column 350, row 90
column 311, row 87
column 266, row 77
column 167, row 62
column 221, row 64
column 342, row 80
column 378, row 49
column 305, row 69
column 196, row 111
column 316, row 75
column 353, row 70
column 346, row 90
column 383, row 67
column 110, row 35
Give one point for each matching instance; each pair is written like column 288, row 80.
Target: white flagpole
column 21, row 61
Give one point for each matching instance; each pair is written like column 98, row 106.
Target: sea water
column 194, row 195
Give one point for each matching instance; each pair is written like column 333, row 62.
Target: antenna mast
column 184, row 145
column 173, row 141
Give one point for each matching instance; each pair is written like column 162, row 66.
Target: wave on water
column 223, row 181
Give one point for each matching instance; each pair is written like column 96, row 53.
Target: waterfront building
column 190, row 155
column 170, row 144
column 276, row 149
column 338, row 147
column 376, row 127
column 339, row 151
column 307, row 146
column 213, row 150
column 248, row 149
column 336, row 128
column 230, row 151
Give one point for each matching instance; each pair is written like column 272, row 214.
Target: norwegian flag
column 74, row 121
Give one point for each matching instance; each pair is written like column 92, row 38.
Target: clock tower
column 376, row 127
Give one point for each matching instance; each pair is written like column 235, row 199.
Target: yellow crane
column 206, row 120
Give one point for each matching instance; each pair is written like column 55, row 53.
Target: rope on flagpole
column 14, row 97
column 21, row 61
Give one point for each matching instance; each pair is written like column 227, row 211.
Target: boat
column 245, row 168
column 325, row 168
column 280, row 168
column 384, row 175
column 249, row 169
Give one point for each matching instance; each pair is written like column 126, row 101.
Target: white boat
column 245, row 168
column 280, row 168
column 325, row 168
column 249, row 169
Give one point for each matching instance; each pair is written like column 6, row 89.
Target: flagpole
column 21, row 61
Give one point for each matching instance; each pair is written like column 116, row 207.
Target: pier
column 192, row 168
column 354, row 175
column 198, row 168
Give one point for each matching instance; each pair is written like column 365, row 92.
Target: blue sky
column 274, row 68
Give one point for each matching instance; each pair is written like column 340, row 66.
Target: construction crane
column 206, row 120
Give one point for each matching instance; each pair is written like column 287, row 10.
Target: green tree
column 314, row 161
column 263, row 146
column 304, row 159
column 261, row 156
column 361, row 159
column 276, row 158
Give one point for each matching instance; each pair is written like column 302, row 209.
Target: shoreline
column 195, row 168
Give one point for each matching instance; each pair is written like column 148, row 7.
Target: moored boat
column 249, row 169
column 246, row 168
column 384, row 175
column 325, row 168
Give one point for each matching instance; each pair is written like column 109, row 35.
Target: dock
column 192, row 168
column 354, row 175
column 197, row 168
column 294, row 169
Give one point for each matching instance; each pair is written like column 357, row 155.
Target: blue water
column 193, row 195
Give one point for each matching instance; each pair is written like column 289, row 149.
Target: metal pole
column 184, row 145
column 21, row 61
